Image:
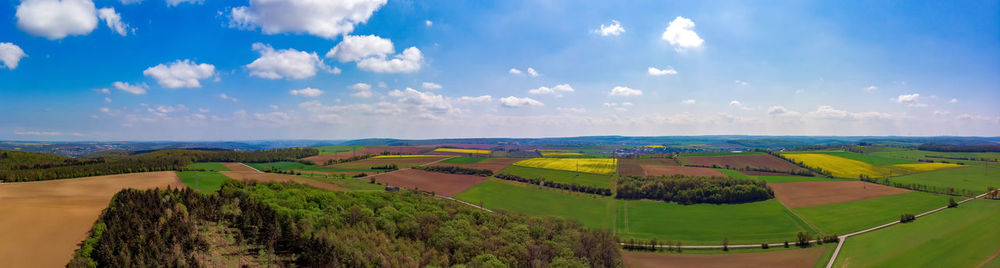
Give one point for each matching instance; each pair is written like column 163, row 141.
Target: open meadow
column 847, row 217
column 591, row 210
column 707, row 224
column 784, row 258
column 203, row 181
column 973, row 178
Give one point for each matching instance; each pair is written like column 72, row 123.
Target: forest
column 292, row 224
column 21, row 166
column 959, row 148
column 693, row 190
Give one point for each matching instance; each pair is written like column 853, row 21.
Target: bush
column 764, row 245
column 803, row 239
column 907, row 217
column 952, row 203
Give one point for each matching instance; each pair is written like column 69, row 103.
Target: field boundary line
column 254, row 169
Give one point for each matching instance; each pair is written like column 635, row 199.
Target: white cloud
column 103, row 91
column 180, row 74
column 356, row 47
column 429, row 23
column 361, row 86
column 941, row 112
column 953, row 101
column 688, row 102
column 615, row 28
column 557, row 90
column 327, row 19
column 532, row 72
column 171, row 3
column 912, row 100
column 571, row 110
column 407, row 62
column 106, row 99
column 307, row 92
column 741, row 83
column 129, row 2
column 137, row 89
column 871, row 88
column 483, row 98
column 429, row 85
column 10, row 55
column 514, row 71
column 114, row 21
column 657, row 72
column 228, row 98
column 37, row 133
column 382, row 84
column 56, row 19
column 735, row 103
column 681, row 35
column 515, row 102
column 625, row 91
column 424, row 101
column 285, row 63
column 780, row 111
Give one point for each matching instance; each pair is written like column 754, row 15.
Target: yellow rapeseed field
column 464, row 151
column 407, row 156
column 585, row 165
column 849, row 168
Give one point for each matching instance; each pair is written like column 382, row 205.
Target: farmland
column 742, row 161
column 965, row 236
column 463, row 151
column 304, row 167
column 813, row 193
column 408, row 156
column 658, row 170
column 973, row 178
column 872, row 159
column 494, row 164
column 210, row 166
column 708, row 224
column 585, row 165
column 465, row 160
column 533, row 200
column 784, row 258
column 560, row 176
column 402, row 162
column 778, row 179
column 439, row 183
column 560, row 154
column 843, row 218
column 850, row 168
column 205, row 182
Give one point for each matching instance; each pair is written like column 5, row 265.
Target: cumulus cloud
column 912, row 100
column 362, row 90
column 615, row 28
column 56, row 19
column 180, row 74
column 424, row 101
column 829, row 112
column 137, row 89
column 483, row 98
column 871, row 88
column 171, row 3
column 327, row 19
column 429, row 23
column 532, row 72
column 657, row 72
column 228, row 98
column 625, row 91
column 114, row 21
column 780, row 111
column 407, row 62
column 688, row 102
column 741, row 83
column 307, row 92
column 953, row 101
column 515, row 102
column 429, row 85
column 680, row 34
column 285, row 63
column 10, row 55
column 571, row 110
column 556, row 90
column 356, row 47
column 514, row 71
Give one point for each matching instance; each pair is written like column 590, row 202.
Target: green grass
column 708, row 224
column 777, row 179
column 917, row 154
column 960, row 237
column 732, row 173
column 210, row 166
column 848, row 217
column 593, row 212
column 301, row 166
column 872, row 159
column 596, row 180
column 974, row 178
column 825, row 258
column 337, row 149
column 719, row 154
column 206, row 181
column 465, row 160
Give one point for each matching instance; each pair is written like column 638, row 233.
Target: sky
column 138, row 70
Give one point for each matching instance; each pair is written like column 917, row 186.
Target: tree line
column 551, row 184
column 349, row 159
column 919, row 187
column 960, row 148
column 693, row 190
column 163, row 160
column 457, row 170
column 308, row 227
column 797, row 172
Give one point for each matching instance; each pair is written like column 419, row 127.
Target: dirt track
column 43, row 221
column 812, row 193
column 784, row 258
column 655, row 170
column 440, row 183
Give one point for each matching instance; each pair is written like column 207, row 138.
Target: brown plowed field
column 439, row 183
column 494, row 164
column 401, row 162
column 374, row 150
column 741, row 161
column 269, row 177
column 42, row 222
column 656, row 170
column 812, row 193
column 658, row 161
column 783, row 258
column 239, row 167
column 630, row 167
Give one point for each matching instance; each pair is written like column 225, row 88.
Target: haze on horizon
column 79, row 70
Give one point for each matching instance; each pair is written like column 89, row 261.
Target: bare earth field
column 784, row 258
column 656, row 170
column 494, row 164
column 658, row 161
column 439, row 183
column 811, row 193
column 401, row 162
column 239, row 167
column 630, row 167
column 268, row 177
column 741, row 161
column 373, row 150
column 43, row 221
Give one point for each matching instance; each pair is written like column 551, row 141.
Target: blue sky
column 244, row 70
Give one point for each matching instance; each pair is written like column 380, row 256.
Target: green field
column 465, row 160
column 210, row 166
column 719, row 154
column 777, row 179
column 301, row 166
column 732, row 173
column 589, row 179
column 960, row 237
column 593, row 212
column 917, row 154
column 202, row 181
column 974, row 178
column 708, row 224
column 333, row 149
column 848, row 217
column 872, row 159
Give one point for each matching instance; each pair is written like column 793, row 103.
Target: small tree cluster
column 457, row 170
column 907, row 217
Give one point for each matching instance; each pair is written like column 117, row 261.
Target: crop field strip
column 849, row 168
column 585, row 165
column 463, row 151
column 560, row 176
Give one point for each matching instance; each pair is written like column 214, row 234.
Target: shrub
column 764, row 245
column 907, row 217
column 952, row 203
column 803, row 239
